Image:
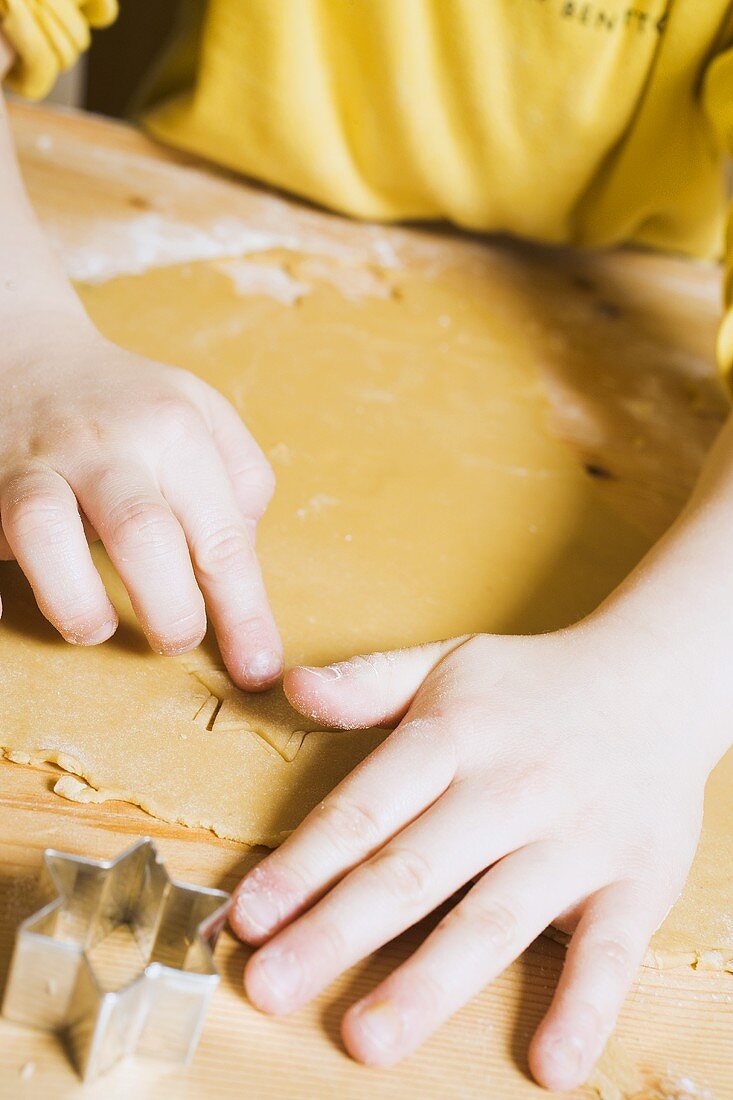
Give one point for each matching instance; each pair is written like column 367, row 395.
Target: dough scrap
column 68, row 786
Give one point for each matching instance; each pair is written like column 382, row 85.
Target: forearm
column 35, row 294
column 679, row 600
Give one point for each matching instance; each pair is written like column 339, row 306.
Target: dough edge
column 660, row 957
column 71, row 766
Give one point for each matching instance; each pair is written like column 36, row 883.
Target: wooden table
column 676, row 1025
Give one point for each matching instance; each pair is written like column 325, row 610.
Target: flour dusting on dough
column 317, row 504
column 134, row 245
column 354, row 282
column 272, row 281
column 281, row 453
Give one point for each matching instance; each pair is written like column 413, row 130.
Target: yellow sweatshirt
column 589, row 122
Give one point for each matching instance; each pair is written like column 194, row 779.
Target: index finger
column 393, row 786
column 222, row 553
column 247, row 467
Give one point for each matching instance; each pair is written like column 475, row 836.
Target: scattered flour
column 281, row 453
column 354, row 282
column 272, row 281
column 317, row 504
column 133, row 245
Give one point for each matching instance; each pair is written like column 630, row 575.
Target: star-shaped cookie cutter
column 63, row 979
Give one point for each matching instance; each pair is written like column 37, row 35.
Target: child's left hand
column 560, row 773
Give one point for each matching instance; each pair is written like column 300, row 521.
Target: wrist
column 38, row 322
column 670, row 665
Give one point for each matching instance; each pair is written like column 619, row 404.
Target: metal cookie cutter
column 120, row 960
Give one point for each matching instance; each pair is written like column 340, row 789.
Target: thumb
column 372, row 690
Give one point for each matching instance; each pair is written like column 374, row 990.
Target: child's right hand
column 100, row 443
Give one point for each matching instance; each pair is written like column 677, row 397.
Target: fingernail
column 381, row 1023
column 258, row 911
column 264, row 665
column 328, row 672
column 281, row 972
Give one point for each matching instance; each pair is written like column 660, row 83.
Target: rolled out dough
column 466, row 438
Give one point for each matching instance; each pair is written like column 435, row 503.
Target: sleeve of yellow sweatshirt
column 47, row 37
column 717, row 91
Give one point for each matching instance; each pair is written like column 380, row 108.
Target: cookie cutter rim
column 52, row 984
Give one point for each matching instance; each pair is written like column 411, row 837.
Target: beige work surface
column 613, row 356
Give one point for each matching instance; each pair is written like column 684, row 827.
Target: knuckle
column 224, row 550
column 367, row 664
column 494, row 923
column 420, row 987
column 332, row 938
column 178, row 417
column 250, row 629
column 348, row 825
column 404, row 873
column 426, row 991
column 613, row 953
column 36, row 514
column 139, row 524
column 53, row 439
